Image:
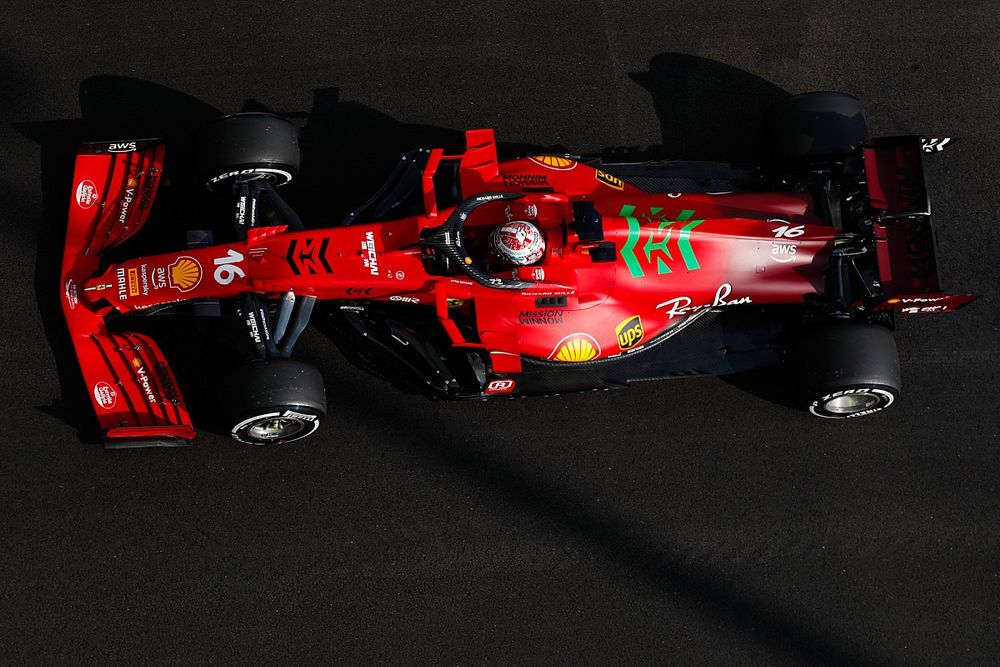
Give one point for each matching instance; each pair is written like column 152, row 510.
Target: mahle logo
column 629, row 332
column 656, row 251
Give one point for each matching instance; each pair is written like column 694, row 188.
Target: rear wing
column 905, row 244
column 132, row 389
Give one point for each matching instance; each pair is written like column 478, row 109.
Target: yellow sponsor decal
column 576, row 348
column 184, row 273
column 556, row 162
column 133, row 282
column 609, row 180
column 629, row 332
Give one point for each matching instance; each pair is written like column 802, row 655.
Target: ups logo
column 629, row 332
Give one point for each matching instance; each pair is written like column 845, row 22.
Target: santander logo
column 105, row 395
column 86, row 194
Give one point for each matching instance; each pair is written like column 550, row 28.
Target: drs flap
column 895, row 173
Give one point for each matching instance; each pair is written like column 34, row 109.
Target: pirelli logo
column 133, row 282
column 609, row 180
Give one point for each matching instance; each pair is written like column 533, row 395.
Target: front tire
column 245, row 147
column 273, row 402
column 849, row 369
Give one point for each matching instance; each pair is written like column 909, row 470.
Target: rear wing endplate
column 905, row 244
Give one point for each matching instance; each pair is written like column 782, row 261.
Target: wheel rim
column 275, row 428
column 851, row 403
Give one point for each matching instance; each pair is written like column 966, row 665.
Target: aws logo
column 629, row 332
column 184, row 273
column 122, row 147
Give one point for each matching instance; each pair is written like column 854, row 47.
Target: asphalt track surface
column 687, row 522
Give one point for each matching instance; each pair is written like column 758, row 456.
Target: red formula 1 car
column 471, row 277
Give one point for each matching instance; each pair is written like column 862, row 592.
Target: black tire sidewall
column 838, row 358
column 272, row 387
column 277, row 174
column 248, row 145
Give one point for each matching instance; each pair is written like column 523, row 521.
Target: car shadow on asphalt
column 668, row 568
column 708, row 110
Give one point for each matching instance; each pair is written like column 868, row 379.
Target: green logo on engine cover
column 656, row 251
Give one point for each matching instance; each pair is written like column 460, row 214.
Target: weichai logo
column 629, row 332
column 659, row 232
column 184, row 273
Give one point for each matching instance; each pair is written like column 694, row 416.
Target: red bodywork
column 670, row 256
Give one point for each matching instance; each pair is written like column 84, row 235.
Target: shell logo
column 575, row 348
column 556, row 162
column 184, row 273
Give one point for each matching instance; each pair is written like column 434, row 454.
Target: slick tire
column 247, row 146
column 273, row 402
column 848, row 370
column 814, row 126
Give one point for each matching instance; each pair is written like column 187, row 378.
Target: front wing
column 132, row 389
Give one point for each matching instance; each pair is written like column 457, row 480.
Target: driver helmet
column 518, row 242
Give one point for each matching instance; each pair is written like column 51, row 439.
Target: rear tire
column 248, row 146
column 849, row 370
column 815, row 126
column 274, row 401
